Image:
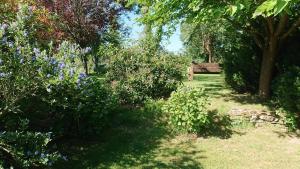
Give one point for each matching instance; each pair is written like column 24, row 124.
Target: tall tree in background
column 87, row 21
column 269, row 22
column 202, row 41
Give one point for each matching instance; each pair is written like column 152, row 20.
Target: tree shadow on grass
column 181, row 155
column 129, row 143
column 220, row 126
column 249, row 99
column 284, row 134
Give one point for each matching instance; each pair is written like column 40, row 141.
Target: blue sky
column 172, row 44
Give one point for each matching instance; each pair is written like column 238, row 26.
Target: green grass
column 222, row 98
column 141, row 139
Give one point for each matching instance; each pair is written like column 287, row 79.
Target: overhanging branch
column 282, row 24
column 291, row 30
column 256, row 34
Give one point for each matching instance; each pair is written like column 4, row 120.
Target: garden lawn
column 141, row 139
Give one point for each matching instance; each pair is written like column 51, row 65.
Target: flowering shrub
column 187, row 111
column 46, row 89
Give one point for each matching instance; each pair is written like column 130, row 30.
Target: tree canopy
column 269, row 22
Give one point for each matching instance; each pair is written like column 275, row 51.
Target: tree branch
column 291, row 30
column 270, row 22
column 282, row 24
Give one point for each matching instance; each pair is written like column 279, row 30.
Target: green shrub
column 286, row 89
column 80, row 109
column 137, row 78
column 187, row 110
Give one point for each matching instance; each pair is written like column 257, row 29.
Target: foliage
column 79, row 109
column 187, row 110
column 202, row 41
column 287, row 93
column 241, row 64
column 137, row 77
column 42, row 24
column 42, row 91
column 270, row 23
column 30, row 148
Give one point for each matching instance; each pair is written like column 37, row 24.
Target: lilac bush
column 44, row 82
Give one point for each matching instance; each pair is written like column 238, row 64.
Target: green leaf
column 271, row 7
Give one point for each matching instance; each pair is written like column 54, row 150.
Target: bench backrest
column 206, row 68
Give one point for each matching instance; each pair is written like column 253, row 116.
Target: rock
column 254, row 118
column 267, row 118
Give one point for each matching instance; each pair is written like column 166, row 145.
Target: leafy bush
column 187, row 110
column 80, row 109
column 137, row 78
column 287, row 92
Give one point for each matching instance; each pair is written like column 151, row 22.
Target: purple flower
column 87, row 50
column 61, row 76
column 4, row 26
column 36, row 152
column 53, row 61
column 82, row 76
column 33, row 58
column 25, row 33
column 2, row 74
column 62, row 65
column 36, row 51
column 19, row 50
column 48, row 76
column 43, row 155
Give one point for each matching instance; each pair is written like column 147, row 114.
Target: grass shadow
column 284, row 134
column 182, row 155
column 129, row 143
column 220, row 126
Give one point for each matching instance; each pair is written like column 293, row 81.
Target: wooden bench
column 198, row 68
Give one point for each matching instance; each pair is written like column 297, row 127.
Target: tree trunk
column 267, row 67
column 84, row 60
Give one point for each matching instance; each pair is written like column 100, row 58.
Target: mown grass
column 142, row 139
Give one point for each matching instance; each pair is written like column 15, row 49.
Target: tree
column 269, row 22
column 87, row 21
column 203, row 40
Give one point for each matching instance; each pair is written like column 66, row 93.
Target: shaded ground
column 139, row 140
